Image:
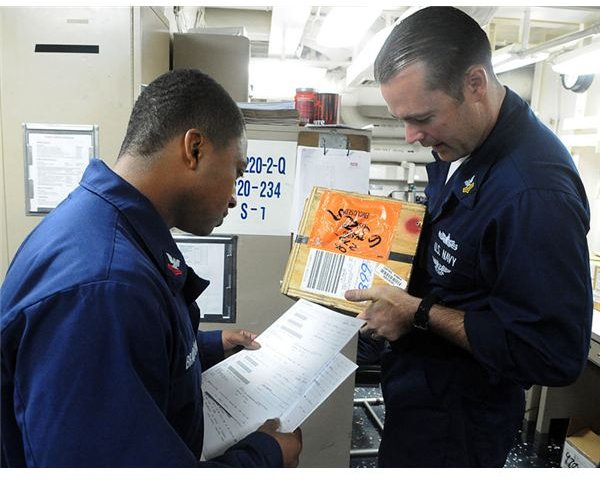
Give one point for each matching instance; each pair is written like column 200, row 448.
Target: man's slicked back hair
column 445, row 39
column 176, row 101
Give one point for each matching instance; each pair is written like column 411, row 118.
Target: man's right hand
column 290, row 443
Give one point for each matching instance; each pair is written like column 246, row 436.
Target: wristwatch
column 421, row 319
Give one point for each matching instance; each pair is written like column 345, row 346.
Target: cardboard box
column 348, row 240
column 582, row 446
column 596, row 285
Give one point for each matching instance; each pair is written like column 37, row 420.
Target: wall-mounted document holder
column 333, row 142
column 335, row 138
column 56, row 156
column 213, row 258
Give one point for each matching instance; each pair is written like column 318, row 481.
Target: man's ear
column 476, row 81
column 193, row 143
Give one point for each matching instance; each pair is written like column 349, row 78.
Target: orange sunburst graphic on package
column 358, row 227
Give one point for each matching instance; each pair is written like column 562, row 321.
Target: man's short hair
column 445, row 39
column 176, row 101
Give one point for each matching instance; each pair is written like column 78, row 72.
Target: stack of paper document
column 297, row 367
column 270, row 113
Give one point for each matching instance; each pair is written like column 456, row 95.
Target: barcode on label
column 332, row 274
column 390, row 277
column 324, row 271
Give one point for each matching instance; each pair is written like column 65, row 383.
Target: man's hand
column 290, row 443
column 235, row 340
column 389, row 315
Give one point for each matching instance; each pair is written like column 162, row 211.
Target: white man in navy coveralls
column 500, row 295
column 101, row 355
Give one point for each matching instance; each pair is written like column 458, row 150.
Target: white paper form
column 326, row 382
column 57, row 164
column 208, row 259
column 335, row 169
column 221, row 430
column 253, row 386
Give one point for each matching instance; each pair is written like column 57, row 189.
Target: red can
column 328, row 106
column 305, row 100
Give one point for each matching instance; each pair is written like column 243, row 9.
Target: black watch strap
column 421, row 318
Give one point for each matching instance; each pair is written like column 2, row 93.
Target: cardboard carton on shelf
column 595, row 266
column 348, row 240
column 582, row 446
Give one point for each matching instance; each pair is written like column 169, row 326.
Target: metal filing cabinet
column 224, row 57
column 78, row 87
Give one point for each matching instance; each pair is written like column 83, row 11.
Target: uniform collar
column 146, row 222
column 470, row 177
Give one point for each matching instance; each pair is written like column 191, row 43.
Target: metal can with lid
column 305, row 101
column 327, row 111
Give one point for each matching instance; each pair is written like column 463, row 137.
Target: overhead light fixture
column 510, row 58
column 345, row 26
column 581, row 61
column 362, row 63
column 275, row 79
column 287, row 27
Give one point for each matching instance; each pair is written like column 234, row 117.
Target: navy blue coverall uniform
column 101, row 353
column 504, row 241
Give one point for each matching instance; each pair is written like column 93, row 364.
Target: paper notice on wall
column 57, row 162
column 331, row 168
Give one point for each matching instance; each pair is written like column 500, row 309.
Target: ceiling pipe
column 524, row 30
column 542, row 51
column 562, row 40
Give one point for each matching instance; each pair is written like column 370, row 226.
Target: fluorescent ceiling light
column 276, row 79
column 287, row 27
column 581, row 61
column 345, row 26
column 363, row 61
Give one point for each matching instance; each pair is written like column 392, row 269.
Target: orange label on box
column 358, row 227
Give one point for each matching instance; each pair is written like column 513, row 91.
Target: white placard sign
column 264, row 194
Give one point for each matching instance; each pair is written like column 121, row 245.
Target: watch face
column 576, row 83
